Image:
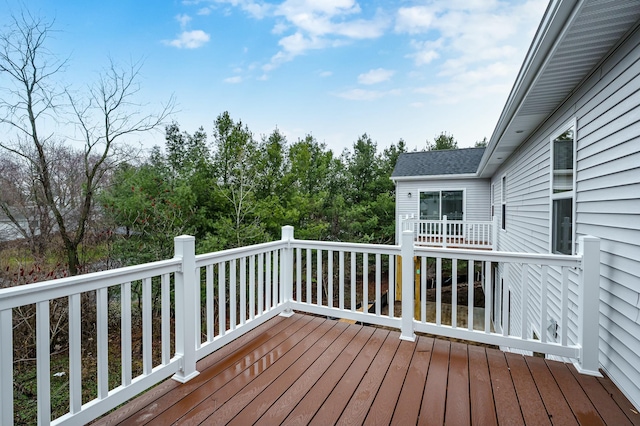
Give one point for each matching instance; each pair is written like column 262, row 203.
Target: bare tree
column 104, row 116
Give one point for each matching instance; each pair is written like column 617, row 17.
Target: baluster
column 308, row 259
column 488, row 297
column 165, row 295
column 423, row 289
column 454, row 293
column 365, row 282
column 470, row 295
column 565, row 300
column 544, row 303
column 243, row 290
column 198, row 307
column 261, row 284
column 524, row 287
column 233, row 299
column 208, row 271
column 353, row 281
column 378, row 279
column 341, row 280
column 330, row 278
column 252, row 287
column 43, row 364
column 391, row 290
column 319, row 277
column 125, row 335
column 147, row 365
column 267, row 282
column 75, row 350
column 299, row 274
column 222, row 301
column 275, row 278
column 438, row 291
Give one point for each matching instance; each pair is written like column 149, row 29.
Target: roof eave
column 434, row 177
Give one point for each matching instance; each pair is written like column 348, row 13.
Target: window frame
column 565, row 195
column 503, row 202
column 440, row 191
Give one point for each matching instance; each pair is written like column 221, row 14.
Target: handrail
column 13, row 297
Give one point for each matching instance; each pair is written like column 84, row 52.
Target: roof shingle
column 440, row 162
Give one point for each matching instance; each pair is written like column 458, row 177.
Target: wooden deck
column 310, row 370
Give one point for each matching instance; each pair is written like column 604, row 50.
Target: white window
column 503, row 198
column 563, row 146
column 434, row 205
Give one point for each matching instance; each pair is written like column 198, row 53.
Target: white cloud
column 183, row 19
column 325, row 74
column 375, row 76
column 365, row 95
column 415, row 19
column 189, row 40
column 204, row 11
column 469, row 42
column 233, row 80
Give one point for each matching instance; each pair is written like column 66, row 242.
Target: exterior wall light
column 409, row 195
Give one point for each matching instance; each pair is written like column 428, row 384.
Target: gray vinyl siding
column 477, row 196
column 607, row 110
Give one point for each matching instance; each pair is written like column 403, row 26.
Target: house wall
column 477, row 195
column 606, row 108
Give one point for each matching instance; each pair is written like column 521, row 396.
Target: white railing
column 450, row 233
column 219, row 296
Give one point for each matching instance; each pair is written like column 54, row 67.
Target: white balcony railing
column 219, row 296
column 450, row 233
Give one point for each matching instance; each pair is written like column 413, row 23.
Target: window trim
column 572, row 123
column 440, row 191
column 503, row 202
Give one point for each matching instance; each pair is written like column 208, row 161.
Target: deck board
column 313, row 370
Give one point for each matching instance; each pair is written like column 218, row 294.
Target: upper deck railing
column 189, row 306
column 450, row 233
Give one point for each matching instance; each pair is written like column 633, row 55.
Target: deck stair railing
column 191, row 305
column 450, row 233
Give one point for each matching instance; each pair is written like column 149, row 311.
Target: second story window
column 562, row 190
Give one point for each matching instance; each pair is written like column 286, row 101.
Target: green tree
column 481, row 144
column 441, row 142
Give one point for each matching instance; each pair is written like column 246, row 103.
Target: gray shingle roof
column 434, row 163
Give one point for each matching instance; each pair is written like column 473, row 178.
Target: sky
column 335, row 69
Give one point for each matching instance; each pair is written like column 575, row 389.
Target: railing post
column 494, row 233
column 286, row 275
column 186, row 311
column 6, row 367
column 407, row 252
column 444, row 231
column 589, row 307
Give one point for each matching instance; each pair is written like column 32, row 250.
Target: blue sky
column 331, row 68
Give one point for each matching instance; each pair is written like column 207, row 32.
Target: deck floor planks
column 457, row 408
column 358, row 407
column 385, row 402
column 241, row 390
column 552, row 397
column 235, row 366
column 621, row 400
column 600, row 398
column 317, row 395
column 281, row 408
column 272, row 384
column 506, row 403
column 533, row 410
column 333, row 406
column 483, row 410
column 309, row 369
column 433, row 405
column 152, row 403
column 581, row 406
column 408, row 406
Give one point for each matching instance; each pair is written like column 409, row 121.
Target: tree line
column 231, row 190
